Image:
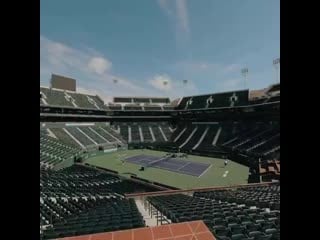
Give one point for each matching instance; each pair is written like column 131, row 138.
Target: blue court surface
column 171, row 164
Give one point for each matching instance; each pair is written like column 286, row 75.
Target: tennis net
column 150, row 164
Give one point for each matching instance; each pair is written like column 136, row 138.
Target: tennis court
column 216, row 175
column 171, row 164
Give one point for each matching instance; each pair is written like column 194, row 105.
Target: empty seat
column 256, row 234
column 238, row 237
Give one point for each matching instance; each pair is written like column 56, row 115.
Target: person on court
column 225, row 162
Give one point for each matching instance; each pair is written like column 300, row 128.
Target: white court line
column 205, row 170
column 225, row 174
column 141, row 159
column 183, row 166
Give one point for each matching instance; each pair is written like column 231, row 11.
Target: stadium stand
column 53, row 152
column 141, row 100
column 147, row 137
column 80, row 136
column 195, row 137
column 93, row 135
column 81, row 200
column 256, row 139
column 64, row 137
column 229, row 214
column 152, row 107
column 135, row 133
column 207, row 142
column 122, row 100
column 124, row 131
column 106, row 215
column 160, row 131
column 168, row 107
column 227, row 99
column 70, row 99
column 108, row 133
column 159, row 137
column 99, row 102
column 115, row 107
column 160, row 100
column 132, row 107
column 86, row 101
column 165, row 128
column 140, row 104
column 261, row 196
column 83, row 136
column 55, row 97
column 270, row 94
column 185, row 135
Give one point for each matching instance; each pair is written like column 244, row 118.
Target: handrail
column 171, row 192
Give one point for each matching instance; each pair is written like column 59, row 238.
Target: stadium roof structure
column 194, row 230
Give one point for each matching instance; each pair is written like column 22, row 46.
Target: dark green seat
column 255, row 234
column 238, row 236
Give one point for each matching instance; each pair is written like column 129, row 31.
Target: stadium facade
column 91, row 154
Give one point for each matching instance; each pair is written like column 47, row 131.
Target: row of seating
column 106, row 215
column 135, row 134
column 93, row 135
column 226, row 219
column 108, row 133
column 137, row 107
column 80, row 136
column 64, row 137
column 141, row 100
column 227, row 99
column 53, row 152
column 87, row 135
column 253, row 139
column 86, row 101
column 69, row 99
column 156, row 128
column 261, row 196
column 81, row 200
column 57, row 97
column 134, row 107
column 53, row 97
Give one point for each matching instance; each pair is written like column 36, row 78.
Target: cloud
column 91, row 69
column 182, row 14
column 177, row 11
column 164, row 4
column 94, row 75
column 161, row 82
column 211, row 76
column 198, row 67
column 99, row 65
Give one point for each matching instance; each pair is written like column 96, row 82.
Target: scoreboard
column 64, row 83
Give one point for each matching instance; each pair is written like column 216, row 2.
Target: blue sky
column 145, row 42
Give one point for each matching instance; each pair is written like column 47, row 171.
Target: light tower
column 185, row 82
column 165, row 82
column 244, row 73
column 276, row 64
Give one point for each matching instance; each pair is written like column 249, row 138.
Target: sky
column 145, row 43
